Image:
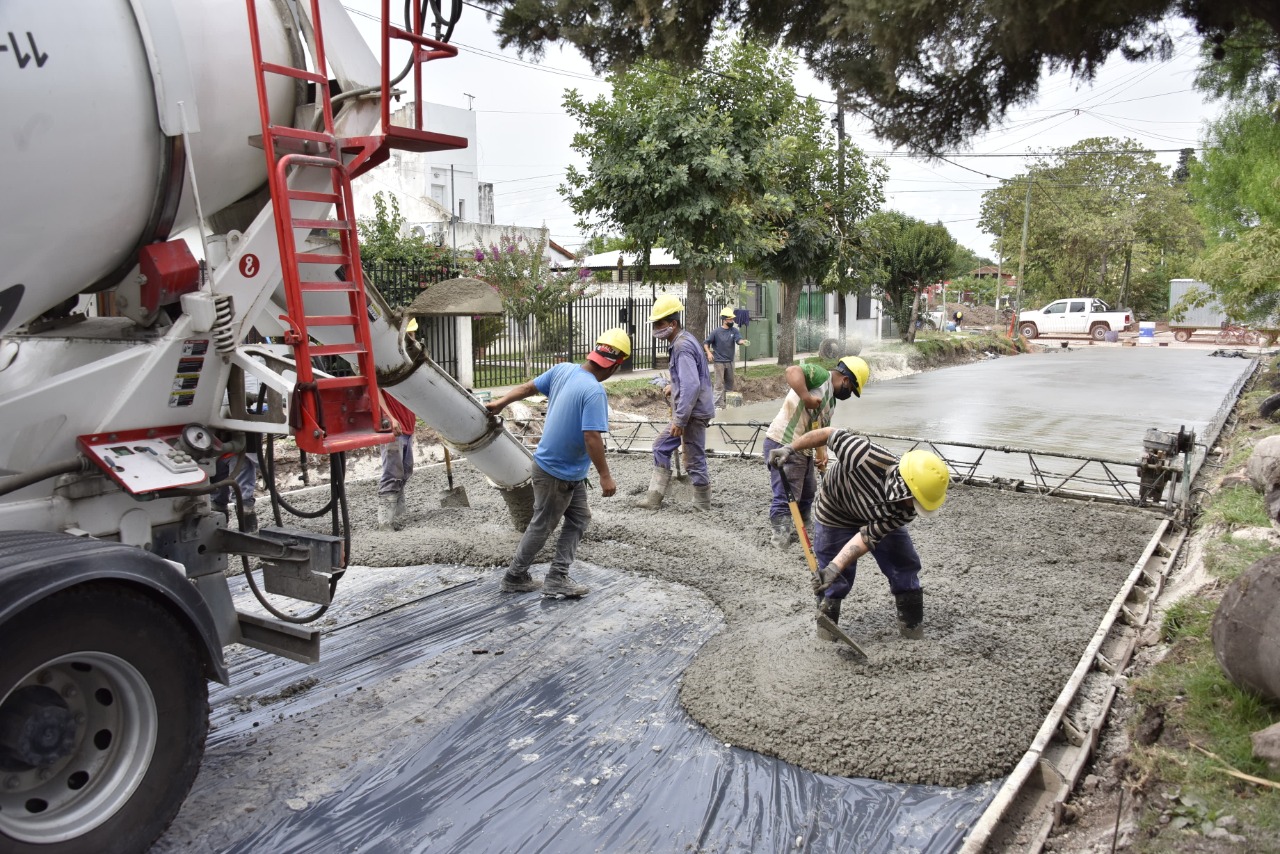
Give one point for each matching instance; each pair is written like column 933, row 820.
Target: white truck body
column 1074, row 316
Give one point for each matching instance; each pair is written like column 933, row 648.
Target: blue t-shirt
column 723, row 342
column 575, row 402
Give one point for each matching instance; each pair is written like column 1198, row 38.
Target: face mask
column 664, row 333
column 728, row 324
column 844, row 392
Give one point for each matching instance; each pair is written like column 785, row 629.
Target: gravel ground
column 1014, row 587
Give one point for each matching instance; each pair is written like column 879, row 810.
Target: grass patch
column 1237, row 507
column 1227, row 557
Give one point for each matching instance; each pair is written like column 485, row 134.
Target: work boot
column 910, row 613
column 781, row 537
column 702, row 498
column 519, row 582
column 830, row 607
column 400, row 510
column 387, row 512
column 657, row 489
column 250, row 521
column 558, row 583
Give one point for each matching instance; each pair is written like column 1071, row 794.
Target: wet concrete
column 1015, row 586
column 1086, row 400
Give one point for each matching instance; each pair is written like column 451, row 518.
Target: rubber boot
column 781, row 537
column 386, row 511
column 702, row 498
column 398, row 522
column 657, row 489
column 519, row 582
column 558, row 583
column 250, row 521
column 830, row 607
column 910, row 613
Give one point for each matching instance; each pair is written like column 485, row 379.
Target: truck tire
column 1183, row 335
column 1028, row 330
column 1098, row 332
column 115, row 679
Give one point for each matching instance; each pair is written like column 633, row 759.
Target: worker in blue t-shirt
column 572, row 441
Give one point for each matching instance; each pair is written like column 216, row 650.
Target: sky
column 525, row 136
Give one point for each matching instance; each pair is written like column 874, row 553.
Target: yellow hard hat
column 618, row 339
column 665, row 306
column 727, row 311
column 611, row 348
column 857, row 370
column 926, row 476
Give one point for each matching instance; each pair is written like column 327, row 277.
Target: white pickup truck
column 1074, row 316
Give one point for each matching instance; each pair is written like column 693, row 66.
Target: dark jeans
column 895, row 554
column 800, row 473
column 553, row 500
column 397, row 465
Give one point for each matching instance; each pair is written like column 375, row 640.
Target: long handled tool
column 823, row 620
column 454, row 496
column 678, row 452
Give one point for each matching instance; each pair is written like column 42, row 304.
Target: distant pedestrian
column 721, row 348
column 693, row 407
column 867, row 498
column 572, row 441
column 809, row 404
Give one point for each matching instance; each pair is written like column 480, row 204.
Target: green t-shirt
column 793, row 420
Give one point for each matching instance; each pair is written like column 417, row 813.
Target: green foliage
column 1189, row 617
column 530, row 289
column 1229, row 556
column 554, row 334
column 1237, row 506
column 901, row 255
column 1244, row 65
column 1105, row 221
column 687, row 158
column 486, row 330
column 385, row 240
column 926, row 73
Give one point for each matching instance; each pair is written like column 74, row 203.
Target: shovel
column 823, row 620
column 454, row 496
column 678, row 452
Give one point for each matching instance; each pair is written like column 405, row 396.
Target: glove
column 824, row 578
column 778, row 456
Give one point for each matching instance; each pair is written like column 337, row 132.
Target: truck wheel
column 1098, row 332
column 1183, row 335
column 1028, row 330
column 103, row 717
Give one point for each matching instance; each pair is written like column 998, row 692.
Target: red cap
column 606, row 356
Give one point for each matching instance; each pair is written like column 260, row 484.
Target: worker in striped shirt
column 808, row 405
column 867, row 498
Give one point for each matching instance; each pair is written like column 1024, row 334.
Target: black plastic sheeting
column 564, row 732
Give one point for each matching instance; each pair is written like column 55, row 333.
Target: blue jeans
column 800, row 473
column 397, row 464
column 895, row 554
column 695, row 450
column 553, row 500
column 246, row 479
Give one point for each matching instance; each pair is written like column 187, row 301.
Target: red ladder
column 328, row 414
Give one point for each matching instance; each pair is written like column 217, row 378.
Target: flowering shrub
column 530, row 288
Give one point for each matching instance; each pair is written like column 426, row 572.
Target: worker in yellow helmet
column 809, row 404
column 692, row 408
column 721, row 348
column 867, row 498
column 572, row 441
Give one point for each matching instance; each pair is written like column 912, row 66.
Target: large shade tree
column 829, row 188
column 928, row 73
column 687, row 159
column 902, row 255
column 1235, row 186
column 1105, row 219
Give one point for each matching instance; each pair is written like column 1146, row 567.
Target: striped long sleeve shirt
column 863, row 489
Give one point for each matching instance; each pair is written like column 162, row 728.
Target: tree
column 825, row 185
column 1105, row 218
column 904, row 254
column 928, row 73
column 384, row 238
column 686, row 158
column 530, row 289
column 1234, row 190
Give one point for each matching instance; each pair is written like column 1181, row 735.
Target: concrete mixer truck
column 238, row 125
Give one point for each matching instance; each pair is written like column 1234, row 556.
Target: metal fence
column 400, row 284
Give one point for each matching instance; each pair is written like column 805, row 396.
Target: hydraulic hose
column 74, row 465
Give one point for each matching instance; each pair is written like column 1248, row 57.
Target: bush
column 486, row 330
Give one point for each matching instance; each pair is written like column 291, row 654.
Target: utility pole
column 1022, row 258
column 1000, row 263
column 840, row 297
